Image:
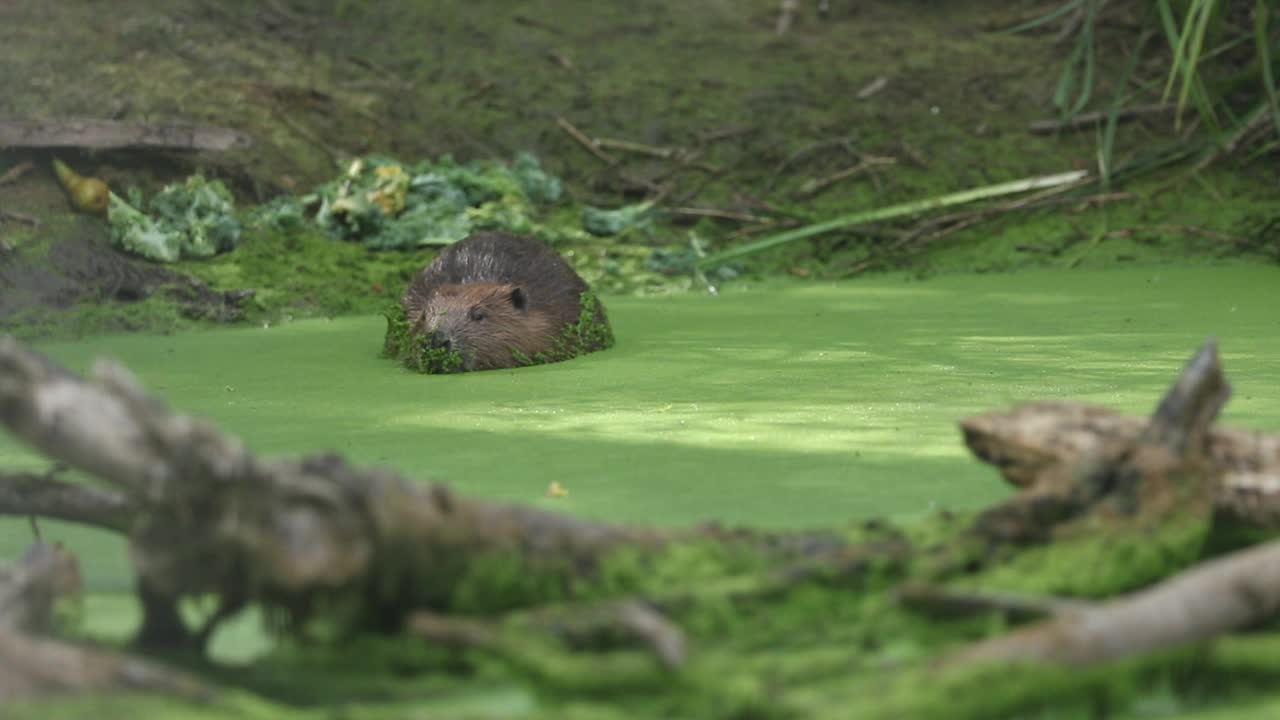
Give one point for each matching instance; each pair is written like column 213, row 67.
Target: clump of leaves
column 193, row 219
column 388, row 205
column 619, row 220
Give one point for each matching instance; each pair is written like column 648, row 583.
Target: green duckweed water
column 787, row 404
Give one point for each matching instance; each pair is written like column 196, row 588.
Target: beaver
column 500, row 300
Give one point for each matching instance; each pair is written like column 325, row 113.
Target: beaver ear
column 518, row 299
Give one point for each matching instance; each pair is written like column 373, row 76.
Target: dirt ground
column 929, row 97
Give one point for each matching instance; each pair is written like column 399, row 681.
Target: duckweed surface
column 787, row 404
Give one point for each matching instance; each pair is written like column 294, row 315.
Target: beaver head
column 485, row 323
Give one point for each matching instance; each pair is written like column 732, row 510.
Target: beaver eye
column 477, row 313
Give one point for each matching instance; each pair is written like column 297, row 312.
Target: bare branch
column 1218, row 596
column 43, row 496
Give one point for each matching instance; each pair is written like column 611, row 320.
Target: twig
column 336, row 156
column 1045, row 127
column 1183, row 229
column 635, row 147
column 872, row 88
column 843, row 142
column 560, row 59
column 484, row 87
column 15, row 172
column 709, row 136
column 868, row 163
column 585, row 141
column 721, row 214
column 1229, row 147
column 28, row 494
column 685, row 157
column 786, row 15
column 18, row 217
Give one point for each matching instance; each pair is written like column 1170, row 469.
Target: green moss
column 590, row 333
column 156, row 314
column 304, row 273
column 414, row 350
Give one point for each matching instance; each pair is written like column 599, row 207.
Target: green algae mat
column 783, row 404
column 779, row 405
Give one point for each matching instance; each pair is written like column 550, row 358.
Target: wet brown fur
column 493, row 293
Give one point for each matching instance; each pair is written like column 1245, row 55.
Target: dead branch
column 1229, row 593
column 1180, row 229
column 786, row 14
column 709, row 136
column 212, row 517
column 1182, row 419
column 592, row 147
column 680, row 155
column 1026, row 442
column 44, row 496
column 16, row 172
column 7, row 215
column 866, row 164
column 1046, row 127
column 844, row 143
column 104, row 134
column 1036, row 445
column 590, row 627
column 945, row 601
column 720, row 214
column 872, row 87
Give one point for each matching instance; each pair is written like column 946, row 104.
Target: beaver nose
column 439, row 340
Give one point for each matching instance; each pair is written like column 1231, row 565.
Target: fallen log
column 1027, row 442
column 113, row 134
column 208, row 516
column 1149, row 469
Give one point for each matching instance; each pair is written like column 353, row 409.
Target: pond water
column 786, row 404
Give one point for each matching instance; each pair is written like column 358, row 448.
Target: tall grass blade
column 1043, row 19
column 1261, row 14
column 1107, row 146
